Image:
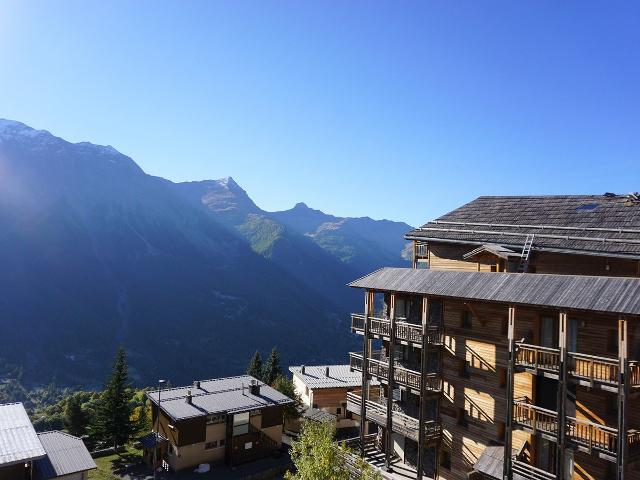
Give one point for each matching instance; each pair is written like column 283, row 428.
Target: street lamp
column 155, row 440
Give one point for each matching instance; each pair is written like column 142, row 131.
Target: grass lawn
column 109, row 466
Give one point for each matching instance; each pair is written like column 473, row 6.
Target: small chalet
column 227, row 420
column 325, row 388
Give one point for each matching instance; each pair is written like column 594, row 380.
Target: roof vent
column 302, row 369
column 196, row 384
column 326, row 371
column 189, row 398
column 254, row 388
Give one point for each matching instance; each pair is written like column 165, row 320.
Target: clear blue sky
column 400, row 110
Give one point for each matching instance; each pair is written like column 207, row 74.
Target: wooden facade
column 556, row 389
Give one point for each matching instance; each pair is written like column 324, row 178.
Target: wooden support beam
column 511, row 369
column 424, row 370
column 562, row 396
column 368, row 309
column 623, row 396
column 392, row 339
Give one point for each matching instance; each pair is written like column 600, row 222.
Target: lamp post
column 155, row 440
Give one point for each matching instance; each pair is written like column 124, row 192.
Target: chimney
column 189, row 398
column 326, row 371
column 196, row 384
column 302, row 369
column 254, row 388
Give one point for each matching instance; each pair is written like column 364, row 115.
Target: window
column 463, row 369
column 214, row 419
column 502, row 377
column 466, row 320
column 211, row 445
column 445, row 459
column 504, row 326
column 240, row 424
column 612, row 341
column 462, row 418
column 338, row 411
column 612, row 404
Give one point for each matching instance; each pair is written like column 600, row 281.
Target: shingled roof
column 589, row 224
column 615, row 295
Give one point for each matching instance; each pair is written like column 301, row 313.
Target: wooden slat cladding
column 445, row 256
column 474, row 372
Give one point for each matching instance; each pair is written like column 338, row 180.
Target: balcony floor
column 400, row 471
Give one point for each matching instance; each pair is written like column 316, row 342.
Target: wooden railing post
column 623, row 395
column 390, row 382
column 562, row 395
column 511, row 368
column 366, row 350
column 424, row 371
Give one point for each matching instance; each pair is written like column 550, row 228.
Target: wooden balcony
column 403, row 424
column 587, row 436
column 420, row 250
column 535, row 359
column 535, row 419
column 528, row 472
column 405, row 332
column 586, row 370
column 401, row 375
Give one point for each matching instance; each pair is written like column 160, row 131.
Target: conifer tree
column 75, row 420
column 255, row 366
column 272, row 369
column 114, row 421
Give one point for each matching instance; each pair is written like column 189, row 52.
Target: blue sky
column 399, row 110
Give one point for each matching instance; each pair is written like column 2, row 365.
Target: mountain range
column 190, row 278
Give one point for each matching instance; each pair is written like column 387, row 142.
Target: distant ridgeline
column 190, row 278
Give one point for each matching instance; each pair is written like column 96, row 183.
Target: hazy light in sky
column 402, row 111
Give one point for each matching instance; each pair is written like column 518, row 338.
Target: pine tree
column 75, row 420
column 255, row 366
column 114, row 421
column 272, row 369
column 284, row 385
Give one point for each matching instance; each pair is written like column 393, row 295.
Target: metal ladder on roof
column 526, row 251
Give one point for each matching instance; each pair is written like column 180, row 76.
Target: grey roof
column 18, row 440
column 222, row 395
column 66, row 454
column 590, row 224
column 602, row 294
column 316, row 377
column 494, row 249
column 491, row 463
column 151, row 439
column 317, row 415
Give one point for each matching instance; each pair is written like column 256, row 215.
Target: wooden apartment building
column 511, row 349
column 226, row 420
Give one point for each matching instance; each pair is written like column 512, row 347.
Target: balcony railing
column 535, row 418
column 404, row 331
column 420, row 249
column 583, row 368
column 528, row 472
column 401, row 423
column 538, row 358
column 401, row 375
column 588, row 435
